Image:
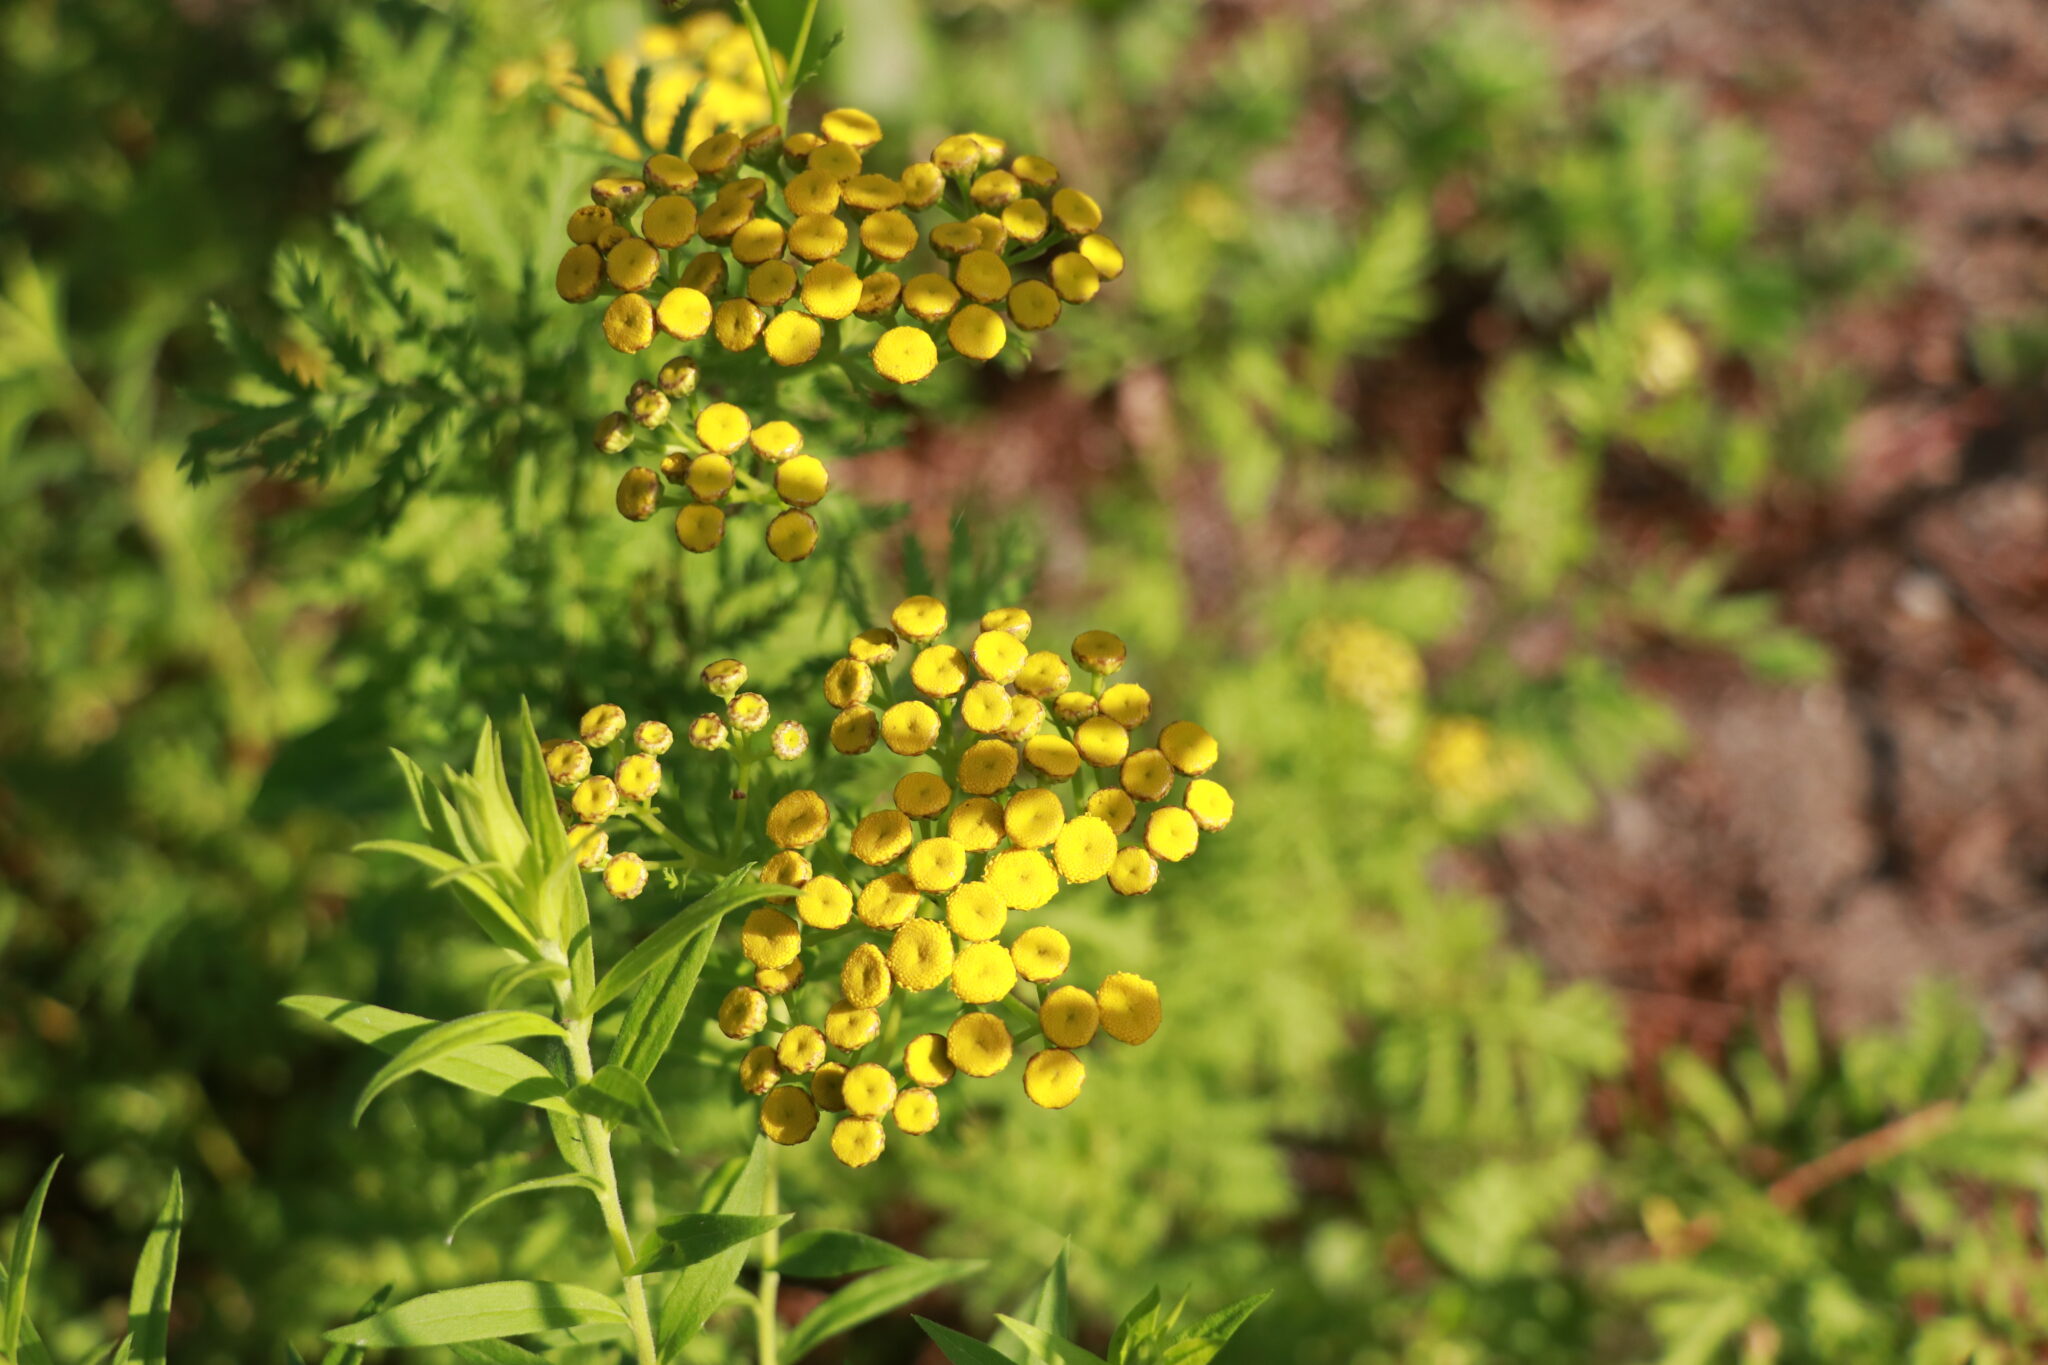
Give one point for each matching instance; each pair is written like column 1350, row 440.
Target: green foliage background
column 1365, row 1100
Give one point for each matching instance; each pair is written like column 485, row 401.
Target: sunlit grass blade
column 20, row 1262
column 149, row 1298
column 355, row 1355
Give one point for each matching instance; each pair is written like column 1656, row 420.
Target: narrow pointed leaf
column 869, row 1297
column 657, row 1009
column 481, row 1312
column 1043, row 1345
column 700, row 1289
column 960, row 1348
column 697, row 1237
column 617, row 1096
column 1222, row 1324
column 573, row 1181
column 21, row 1261
column 355, row 1355
column 457, row 1035
column 507, row 982
column 1046, row 1306
column 826, row 1253
column 502, row 1072
column 495, row 1353
column 665, row 942
column 1137, row 1325
column 149, row 1299
column 489, row 909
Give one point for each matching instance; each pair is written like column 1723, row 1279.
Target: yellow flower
column 1024, row 878
column 889, row 235
column 1210, row 803
column 1025, row 221
column 886, row 901
column 922, row 795
column 1073, row 278
column 1033, row 818
column 625, row 876
column 684, row 313
column 653, row 737
column 831, row 290
column 850, row 1027
column 854, row 127
column 614, row 433
column 639, row 777
column 1099, row 652
column 758, row 1072
column 1128, row 704
column 980, row 275
column 988, row 766
column 639, row 493
column 976, row 824
column 813, row 194
column 792, row 536
column 801, row 1050
column 798, row 820
column 779, row 980
column 954, row 240
column 1053, row 1078
column 737, row 324
column 878, row 294
column 872, row 193
column 581, row 270
column 723, row 428
column 957, row 154
column 1102, row 253
column 855, row 730
column 937, row 865
column 770, row 938
column 976, row 332
column 976, row 912
column 1074, row 707
column 592, row 847
column 858, row 1142
column 1052, row 755
column 921, row 955
column 678, row 378
column 1146, row 775
column 1130, row 1007
column 904, row 355
column 998, row 655
column 789, row 741
column 1076, row 212
column 910, row 728
column 709, row 477
column 715, row 154
column 1134, row 872
column 801, row 482
column 793, row 339
column 1069, row 1017
column 567, row 761
column 1034, row 305
column 1464, row 766
column 670, row 221
column 758, row 240
column 1102, row 741
column 817, row 237
column 939, row 671
column 978, row 1044
column 994, row 189
column 723, row 678
column 922, row 184
column 602, row 724
column 1085, row 849
column 1041, row 675
column 929, row 297
column 1171, row 834
column 595, row 799
column 1041, row 953
column 629, row 324
column 983, row 973
column 825, row 903
column 825, row 1086
column 919, row 619
column 1190, row 748
column 882, row 837
column 788, row 1115
column 1114, row 807
column 985, row 708
column 916, row 1111
column 743, row 1013
column 748, row 712
column 925, row 1060
column 587, row 222
column 776, row 441
column 708, row 731
column 869, row 1090
column 1027, row 717
column 632, row 265
column 700, row 527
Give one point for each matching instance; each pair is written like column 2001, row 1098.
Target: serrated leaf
column 571, row 1181
column 457, row 1035
column 869, row 1297
column 700, row 1289
column 617, row 1096
column 149, row 1297
column 501, row 1072
column 826, row 1253
column 697, row 1237
column 958, row 1347
column 1044, row 1345
column 21, row 1262
column 481, row 1312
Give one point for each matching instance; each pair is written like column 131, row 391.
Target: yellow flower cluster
column 1468, row 767
column 747, row 240
column 1033, row 783
column 1374, row 669
column 704, row 465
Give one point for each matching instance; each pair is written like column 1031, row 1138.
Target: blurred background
column 1584, row 458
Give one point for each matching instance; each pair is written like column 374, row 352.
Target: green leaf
column 1212, row 1333
column 1046, row 1307
column 481, row 1312
column 736, row 890
column 562, row 908
column 149, row 1298
column 617, row 1096
column 825, row 1253
column 502, row 1072
column 1046, row 1346
column 697, row 1237
column 657, row 1009
column 457, row 1035
column 496, row 1353
column 572, row 1181
column 506, row 983
column 20, row 1261
column 489, row 909
column 354, row 1355
column 1139, row 1325
column 960, row 1348
column 700, row 1288
column 870, row 1296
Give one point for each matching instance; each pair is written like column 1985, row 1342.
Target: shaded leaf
column 502, row 1072
column 869, row 1297
column 457, row 1035
column 696, row 1237
column 700, row 1289
column 825, row 1253
column 21, row 1261
column 617, row 1096
column 960, row 1348
column 572, row 1181
column 149, row 1298
column 481, row 1312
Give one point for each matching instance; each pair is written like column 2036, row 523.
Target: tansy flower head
column 801, row 1050
column 639, row 777
column 567, row 761
column 1130, row 1007
column 595, row 799
column 798, row 820
column 748, row 712
column 1053, row 1078
column 789, row 1115
column 789, row 741
column 978, row 1044
column 850, row 1027
column 758, row 1071
column 865, row 979
column 976, row 911
column 825, row 1086
column 602, row 724
column 653, row 737
column 983, row 973
column 1041, row 953
column 916, row 1111
column 825, row 903
column 770, row 939
column 625, row 876
column 921, row 955
column 925, row 1060
column 1069, row 1017
column 869, row 1090
column 857, row 1142
column 708, row 731
column 743, row 1013
column 724, row 678
column 774, row 981
column 886, row 901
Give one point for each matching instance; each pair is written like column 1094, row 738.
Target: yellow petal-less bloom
column 976, row 824
column 998, row 655
column 855, row 730
column 758, row 1072
column 937, row 865
column 994, row 189
column 779, row 980
column 758, row 240
column 1146, row 775
column 825, row 903
column 922, row 183
column 1026, row 220
column 1210, row 803
column 798, row 820
column 869, row 1090
column 1099, row 652
column 708, row 731
column 916, row 1111
column 669, row 221
column 770, row 938
column 787, row 868
column 1042, row 675
column 873, row 193
column 1085, row 849
column 835, row 159
column 790, row 741
column 625, row 876
column 886, row 901
column 1034, row 306
column 988, row 766
column 669, row 173
column 801, row 1050
column 685, row 313
column 595, row 799
column 1134, row 872
column 1102, row 253
column 904, row 355
column 921, row 955
column 748, row 712
column 725, row 217
column 910, row 728
column 678, row 378
column 587, row 222
column 919, row 619
column 864, row 978
column 801, row 482
column 882, row 837
column 957, row 154
column 1102, row 742
column 1127, row 704
column 1036, row 172
column 878, row 294
column 1074, row 707
column 1053, row 1078
column 793, row 339
column 789, row 1115
column 592, row 847
column 723, row 678
column 700, row 527
column 737, row 324
column 939, row 671
column 776, row 441
column 889, row 235
column 978, row 1044
column 922, row 795
column 825, row 1086
column 716, row 154
column 1023, row 877
column 1041, row 953
column 1076, row 212
column 983, row 973
column 1130, row 1007
column 977, row 332
column 653, row 737
column 602, row 724
column 792, row 536
column 1053, row 755
column 629, row 324
column 831, row 290
column 854, row 127
column 1188, row 747
column 639, row 777
column 709, row 477
column 1114, row 807
column 848, row 682
column 929, row 296
column 989, row 230
column 1073, row 278
column 812, row 194
column 743, row 1013
column 581, row 270
column 817, row 237
column 976, row 912
column 1010, row 620
column 567, row 762
column 982, row 276
column 1069, row 1017
column 1033, row 818
column 857, row 1142
column 850, row 1027
column 925, row 1060
column 632, row 265
column 954, row 240
column 723, row 428
column 705, row 273
column 985, row 708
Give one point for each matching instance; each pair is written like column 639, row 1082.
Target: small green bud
column 648, row 405
column 678, row 378
column 724, row 677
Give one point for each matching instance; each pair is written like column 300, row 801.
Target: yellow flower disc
column 625, row 876
column 1146, row 775
column 925, row 1060
column 978, row 1044
column 1033, row 818
column 700, row 527
column 793, row 339
column 587, row 222
column 725, row 217
column 669, row 173
column 1023, row 877
column 1085, row 849
column 723, row 427
column 983, row 973
column 817, row 237
column 916, row 1111
column 595, row 799
column 716, row 153
column 977, row 332
column 776, row 441
column 788, row 1115
column 1025, row 221
column 779, row 980
column 1053, row 1078
column 887, row 901
column 864, row 977
column 878, row 294
column 921, row 795
column 831, row 290
column 639, row 494
column 889, row 235
column 1114, row 807
column 930, row 296
column 1172, row 834
column 1073, row 279
column 602, row 724
column 812, row 194
column 869, row 1090
column 567, row 761
column 748, row 712
column 982, row 276
column 856, row 1142
column 994, row 189
column 849, row 682
column 998, row 655
column 743, row 1013
column 798, row 820
column 985, row 708
column 801, row 482
column 989, row 231
column 801, row 1050
column 937, row 865
column 976, row 912
column 873, row 193
column 939, row 671
column 1069, row 1017
column 632, row 265
column 855, row 730
column 825, row 903
column 1076, row 212
column 639, row 777
column 770, row 938
column 1127, row 704
column 1074, row 707
column 792, row 535
column 629, row 324
column 954, row 240
column 787, row 868
column 910, row 728
column 737, row 324
column 1130, row 1007
column 988, row 766
column 705, row 273
column 1042, row 674
column 922, row 184
column 850, row 1027
column 758, row 240
column 854, row 127
column 919, row 618
column 576, row 278
column 904, row 355
column 1036, row 171
column 1102, row 253
column 592, row 847
column 1134, row 872
column 790, row 741
column 1034, row 306
column 1210, row 803
column 758, row 1072
column 976, row 824
column 1010, row 620
column 882, row 837
column 957, row 154
column 684, row 314
column 1052, row 755
column 1099, row 651
column 1188, row 747
column 826, row 1083
column 921, row 955
column 1102, row 742
column 1041, row 953
column 709, row 477
column 708, row 731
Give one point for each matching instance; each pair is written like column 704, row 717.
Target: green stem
column 599, row 1139
column 690, row 855
column 766, row 56
column 796, row 54
column 765, row 1323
